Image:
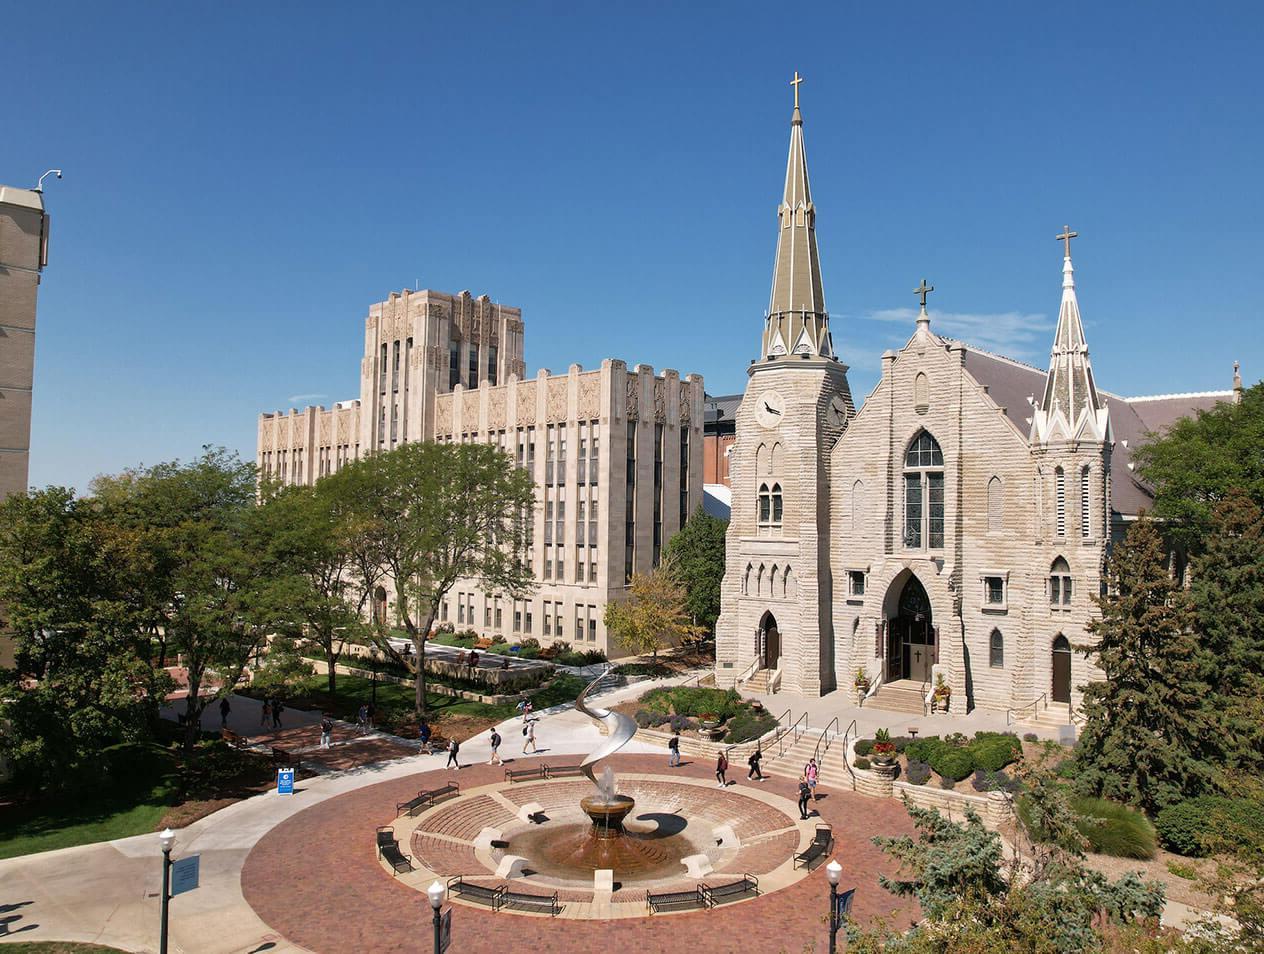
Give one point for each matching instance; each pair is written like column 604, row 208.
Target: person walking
column 454, row 747
column 362, row 718
column 326, row 731
column 529, row 731
column 277, row 709
column 753, row 762
column 673, row 747
column 265, row 713
column 495, row 759
column 423, row 736
column 224, row 709
column 371, row 713
column 722, row 766
column 805, row 793
column 810, row 773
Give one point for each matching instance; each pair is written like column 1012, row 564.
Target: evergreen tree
column 697, row 553
column 1149, row 732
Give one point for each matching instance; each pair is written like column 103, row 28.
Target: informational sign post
column 445, row 931
column 285, row 781
column 184, row 874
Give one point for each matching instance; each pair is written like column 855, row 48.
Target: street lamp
column 834, row 871
column 168, row 840
column 437, row 892
column 373, row 651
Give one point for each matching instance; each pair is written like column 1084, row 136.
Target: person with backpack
column 453, row 748
column 224, row 709
column 277, row 709
column 805, row 793
column 722, row 766
column 362, row 718
column 673, row 747
column 495, row 740
column 423, row 736
column 810, row 772
column 529, row 731
column 266, row 713
column 326, row 731
column 753, row 762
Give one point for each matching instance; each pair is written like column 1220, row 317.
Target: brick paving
column 316, row 880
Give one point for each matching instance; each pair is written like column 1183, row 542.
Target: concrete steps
column 894, row 697
column 758, row 683
column 1052, row 716
column 832, row 772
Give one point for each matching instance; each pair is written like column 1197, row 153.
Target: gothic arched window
column 924, row 494
column 1059, row 495
column 996, row 650
column 776, row 505
column 1060, row 583
column 857, row 506
column 765, row 505
column 996, row 504
column 1086, row 503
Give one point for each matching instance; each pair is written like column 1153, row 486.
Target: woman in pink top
column 809, row 772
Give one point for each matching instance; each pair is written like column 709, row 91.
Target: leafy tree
column 1149, row 732
column 697, row 554
column 434, row 514
column 284, row 666
column 1195, row 462
column 83, row 678
column 654, row 614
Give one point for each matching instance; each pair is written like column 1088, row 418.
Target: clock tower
column 776, row 623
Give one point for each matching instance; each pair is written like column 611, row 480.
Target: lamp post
column 834, row 871
column 168, row 840
column 437, row 892
column 373, row 651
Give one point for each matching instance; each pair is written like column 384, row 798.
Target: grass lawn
column 44, row 826
column 58, row 947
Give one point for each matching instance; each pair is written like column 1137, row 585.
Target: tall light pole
column 168, row 840
column 437, row 892
column 834, row 871
column 373, row 651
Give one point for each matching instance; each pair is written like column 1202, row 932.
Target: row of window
column 586, row 617
column 995, row 586
column 454, row 364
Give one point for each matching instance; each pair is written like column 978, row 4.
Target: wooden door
column 1061, row 670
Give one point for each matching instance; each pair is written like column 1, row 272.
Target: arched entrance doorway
column 1061, row 669
column 769, row 642
column 911, row 640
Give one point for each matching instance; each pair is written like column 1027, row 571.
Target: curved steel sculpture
column 619, row 728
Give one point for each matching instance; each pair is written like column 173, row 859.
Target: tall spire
column 1071, row 408
column 797, row 320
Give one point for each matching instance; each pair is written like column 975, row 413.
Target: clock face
column 837, row 410
column 770, row 409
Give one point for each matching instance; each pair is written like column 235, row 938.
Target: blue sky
column 244, row 180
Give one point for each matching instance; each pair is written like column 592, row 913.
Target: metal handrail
column 818, row 753
column 846, row 733
column 747, row 672
column 794, row 727
column 1011, row 714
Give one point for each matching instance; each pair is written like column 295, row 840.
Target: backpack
column 495, row 739
column 524, row 730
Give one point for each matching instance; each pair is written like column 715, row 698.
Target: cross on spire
column 923, row 290
column 1066, row 237
column 795, row 83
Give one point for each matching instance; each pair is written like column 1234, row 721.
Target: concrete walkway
column 108, row 893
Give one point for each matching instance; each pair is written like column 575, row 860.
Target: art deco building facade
column 616, row 453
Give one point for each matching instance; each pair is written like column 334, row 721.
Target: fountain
column 607, row 808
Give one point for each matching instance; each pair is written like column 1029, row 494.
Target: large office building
column 616, row 452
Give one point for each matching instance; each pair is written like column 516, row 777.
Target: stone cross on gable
column 795, row 83
column 923, row 290
column 1066, row 237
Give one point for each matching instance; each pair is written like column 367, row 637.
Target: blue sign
column 184, row 874
column 445, row 931
column 285, row 781
column 842, row 905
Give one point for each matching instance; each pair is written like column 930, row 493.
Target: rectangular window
column 994, row 590
column 557, row 620
column 592, row 624
column 487, row 615
column 592, row 453
column 454, row 365
column 856, row 582
column 529, row 623
column 548, row 568
column 913, row 510
column 517, row 626
column 443, row 611
column 592, row 572
column 548, row 618
column 460, row 608
column 473, row 365
column 498, row 623
column 579, row 622
column 491, row 365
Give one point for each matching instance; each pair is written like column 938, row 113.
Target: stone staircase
column 899, row 697
column 832, row 769
column 1053, row 715
column 758, row 682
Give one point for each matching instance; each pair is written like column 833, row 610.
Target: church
column 951, row 531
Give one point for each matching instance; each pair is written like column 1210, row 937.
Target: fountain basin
column 607, row 813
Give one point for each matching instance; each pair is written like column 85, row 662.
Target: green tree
column 653, row 615
column 697, row 554
column 435, row 514
column 1148, row 737
column 83, row 678
column 1195, row 462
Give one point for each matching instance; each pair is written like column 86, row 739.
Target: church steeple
column 1070, row 408
column 797, row 321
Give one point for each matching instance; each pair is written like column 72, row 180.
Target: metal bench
column 286, row 758
column 424, row 799
column 563, row 771
column 526, row 774
column 487, row 894
column 718, row 894
column 536, row 902
column 675, row 900
column 389, row 851
column 233, row 739
column 822, row 841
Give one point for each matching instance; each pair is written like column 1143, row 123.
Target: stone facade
column 23, row 255
column 616, row 454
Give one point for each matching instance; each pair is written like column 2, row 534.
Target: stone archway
column 769, row 641
column 911, row 648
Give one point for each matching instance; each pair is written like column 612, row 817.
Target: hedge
column 864, row 746
column 951, row 763
column 1193, row 826
column 693, row 701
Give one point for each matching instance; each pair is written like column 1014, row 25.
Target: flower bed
column 711, row 714
column 948, row 761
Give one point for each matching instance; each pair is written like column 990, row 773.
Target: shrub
column 862, row 764
column 918, row 773
column 946, row 783
column 984, row 781
column 901, row 743
column 1030, row 737
column 1188, row 827
column 951, row 763
column 749, row 724
column 643, row 669
column 864, row 746
column 1188, row 872
column 643, row 718
column 1114, row 829
column 920, row 750
column 693, row 701
column 992, row 755
column 530, row 643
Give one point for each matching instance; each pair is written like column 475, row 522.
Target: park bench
column 533, row 902
column 563, row 771
column 389, row 851
column 285, row 758
column 675, row 900
column 718, row 894
column 526, row 774
column 822, row 841
column 487, row 894
column 233, row 739
column 426, row 798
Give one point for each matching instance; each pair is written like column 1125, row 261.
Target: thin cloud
column 1009, row 333
column 296, row 399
